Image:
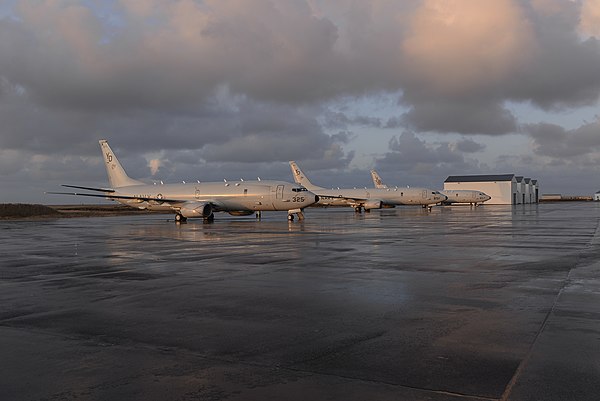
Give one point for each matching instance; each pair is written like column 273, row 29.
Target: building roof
column 519, row 178
column 480, row 178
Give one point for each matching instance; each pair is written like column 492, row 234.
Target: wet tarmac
column 487, row 303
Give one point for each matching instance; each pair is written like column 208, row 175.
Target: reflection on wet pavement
column 477, row 303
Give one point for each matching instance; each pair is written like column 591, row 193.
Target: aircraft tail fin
column 300, row 178
column 377, row 180
column 117, row 177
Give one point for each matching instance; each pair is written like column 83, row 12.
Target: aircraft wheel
column 211, row 217
column 179, row 218
column 290, row 217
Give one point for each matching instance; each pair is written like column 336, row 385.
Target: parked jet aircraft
column 455, row 196
column 367, row 199
column 199, row 199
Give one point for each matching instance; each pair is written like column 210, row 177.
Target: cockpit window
column 299, row 189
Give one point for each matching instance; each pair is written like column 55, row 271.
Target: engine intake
column 196, row 209
column 372, row 204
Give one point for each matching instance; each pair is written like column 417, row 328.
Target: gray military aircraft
column 201, row 200
column 367, row 199
column 455, row 196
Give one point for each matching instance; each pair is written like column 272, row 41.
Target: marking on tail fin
column 300, row 177
column 377, row 181
column 117, row 177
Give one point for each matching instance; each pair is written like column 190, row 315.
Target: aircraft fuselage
column 227, row 196
column 387, row 196
column 465, row 196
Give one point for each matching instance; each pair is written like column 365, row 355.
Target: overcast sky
column 187, row 90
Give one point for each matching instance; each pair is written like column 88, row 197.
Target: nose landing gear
column 298, row 212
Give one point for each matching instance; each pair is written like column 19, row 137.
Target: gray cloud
column 232, row 84
column 462, row 117
column 61, row 146
column 395, row 122
column 556, row 176
column 469, row 146
column 169, row 55
column 563, row 69
column 339, row 120
column 556, row 142
column 414, row 161
column 459, row 78
column 455, row 65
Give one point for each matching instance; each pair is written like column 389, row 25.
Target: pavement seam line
column 155, row 347
column 523, row 364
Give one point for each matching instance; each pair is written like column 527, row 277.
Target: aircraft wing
column 216, row 205
column 342, row 197
column 354, row 201
column 108, row 196
column 109, row 190
column 175, row 203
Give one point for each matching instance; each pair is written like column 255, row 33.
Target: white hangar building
column 504, row 189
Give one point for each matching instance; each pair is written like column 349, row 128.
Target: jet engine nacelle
column 196, row 209
column 372, row 204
